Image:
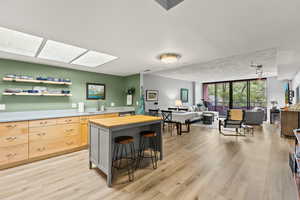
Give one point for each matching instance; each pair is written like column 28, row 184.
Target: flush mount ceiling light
column 19, row 43
column 169, row 57
column 168, row 4
column 94, row 59
column 61, row 52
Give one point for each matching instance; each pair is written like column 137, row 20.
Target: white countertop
column 47, row 114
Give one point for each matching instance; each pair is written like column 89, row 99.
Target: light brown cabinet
column 289, row 122
column 59, row 135
column 84, row 125
column 13, row 142
column 22, row 142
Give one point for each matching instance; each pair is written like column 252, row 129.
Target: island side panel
column 94, row 145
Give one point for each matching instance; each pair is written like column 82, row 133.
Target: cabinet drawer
column 13, row 128
column 84, row 120
column 71, row 129
column 67, row 120
column 8, row 141
column 45, row 133
column 110, row 115
column 52, row 146
column 13, row 154
column 72, row 141
column 42, row 123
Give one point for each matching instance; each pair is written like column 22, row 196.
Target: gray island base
column 103, row 131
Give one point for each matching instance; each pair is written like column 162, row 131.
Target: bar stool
column 120, row 152
column 149, row 136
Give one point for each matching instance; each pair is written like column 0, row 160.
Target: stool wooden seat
column 148, row 134
column 124, row 140
column 148, row 141
column 124, row 150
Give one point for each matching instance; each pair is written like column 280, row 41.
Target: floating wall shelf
column 36, row 81
column 36, row 94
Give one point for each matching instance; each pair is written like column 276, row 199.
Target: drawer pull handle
column 69, row 143
column 69, row 130
column 11, row 139
column 68, row 120
column 43, row 122
column 41, row 149
column 11, row 126
column 41, row 134
column 10, row 155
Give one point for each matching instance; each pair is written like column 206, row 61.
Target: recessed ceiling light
column 61, row 52
column 169, row 57
column 19, row 43
column 93, row 59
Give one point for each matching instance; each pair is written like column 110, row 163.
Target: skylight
column 61, row 52
column 94, row 59
column 19, row 43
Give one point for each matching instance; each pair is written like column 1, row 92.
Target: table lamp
column 178, row 103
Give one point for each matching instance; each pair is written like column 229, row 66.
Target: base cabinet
column 289, row 122
column 21, row 142
column 13, row 142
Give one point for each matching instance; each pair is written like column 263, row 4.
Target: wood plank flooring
column 198, row 165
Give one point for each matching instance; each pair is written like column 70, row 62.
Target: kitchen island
column 103, row 131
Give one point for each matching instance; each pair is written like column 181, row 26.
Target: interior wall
column 169, row 90
column 115, row 87
column 275, row 91
column 296, row 83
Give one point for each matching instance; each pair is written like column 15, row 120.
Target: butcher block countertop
column 126, row 120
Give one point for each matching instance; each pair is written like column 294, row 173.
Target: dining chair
column 153, row 112
column 168, row 119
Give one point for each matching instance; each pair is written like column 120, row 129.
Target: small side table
column 248, row 129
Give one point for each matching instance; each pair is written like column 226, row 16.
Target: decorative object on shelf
column 184, row 95
column 129, row 96
column 95, row 91
column 41, row 89
column 151, row 95
column 30, row 79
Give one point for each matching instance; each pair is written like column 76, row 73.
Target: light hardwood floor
column 198, row 165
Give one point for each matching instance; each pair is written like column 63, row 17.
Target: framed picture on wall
column 95, row 91
column 151, row 95
column 184, row 95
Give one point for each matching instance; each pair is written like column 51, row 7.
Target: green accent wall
column 115, row 87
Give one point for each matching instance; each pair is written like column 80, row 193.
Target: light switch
column 2, row 107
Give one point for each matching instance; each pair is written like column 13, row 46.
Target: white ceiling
column 137, row 31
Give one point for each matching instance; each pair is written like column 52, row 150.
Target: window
column 245, row 94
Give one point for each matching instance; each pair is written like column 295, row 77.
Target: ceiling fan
column 258, row 69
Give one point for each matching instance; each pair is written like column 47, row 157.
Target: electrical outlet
column 2, row 107
column 74, row 105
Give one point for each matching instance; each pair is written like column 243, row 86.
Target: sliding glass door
column 245, row 94
column 239, row 95
column 222, row 98
column 258, row 96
